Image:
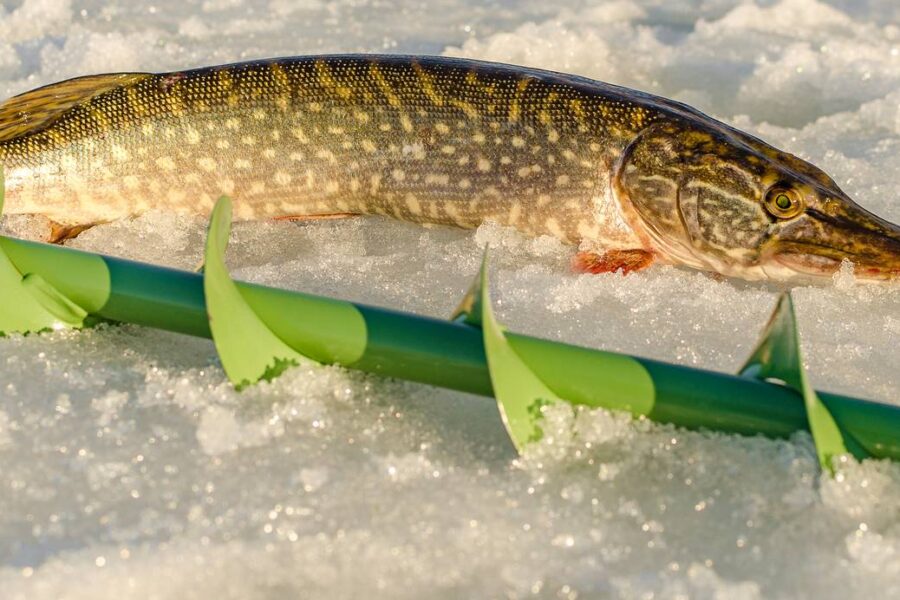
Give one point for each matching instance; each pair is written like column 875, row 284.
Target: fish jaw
column 816, row 245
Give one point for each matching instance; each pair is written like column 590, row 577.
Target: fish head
column 717, row 199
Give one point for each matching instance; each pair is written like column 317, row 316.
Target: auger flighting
column 259, row 332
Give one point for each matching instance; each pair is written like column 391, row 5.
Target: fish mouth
column 806, row 264
column 822, row 261
column 817, row 244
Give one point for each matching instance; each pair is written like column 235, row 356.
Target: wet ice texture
column 130, row 469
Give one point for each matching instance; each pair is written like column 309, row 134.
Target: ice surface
column 129, row 468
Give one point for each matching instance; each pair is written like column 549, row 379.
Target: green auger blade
column 469, row 309
column 31, row 304
column 778, row 356
column 248, row 349
column 520, row 394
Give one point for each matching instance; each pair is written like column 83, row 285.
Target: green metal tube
column 449, row 354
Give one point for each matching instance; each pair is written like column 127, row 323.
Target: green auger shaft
column 450, row 354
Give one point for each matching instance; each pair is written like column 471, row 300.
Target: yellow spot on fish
column 514, row 109
column 175, row 196
column 392, row 98
column 515, row 212
column 328, row 81
column 225, row 80
column 326, row 155
column 134, row 102
column 554, row 228
column 518, row 142
column 165, row 163
column 588, row 230
column 437, row 179
column 413, row 204
column 484, row 165
column 299, row 135
column 398, row 174
column 427, row 84
column 442, row 128
column 448, row 149
column 242, row 163
column 280, row 76
column 452, row 211
column 206, row 163
column 467, row 107
column 192, row 136
column 369, row 146
column 57, row 137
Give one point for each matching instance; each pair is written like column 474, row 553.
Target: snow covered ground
column 129, row 468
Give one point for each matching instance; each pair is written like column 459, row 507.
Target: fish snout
column 819, row 243
column 880, row 252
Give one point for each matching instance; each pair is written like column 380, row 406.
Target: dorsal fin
column 35, row 110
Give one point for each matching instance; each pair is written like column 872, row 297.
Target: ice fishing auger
column 260, row 331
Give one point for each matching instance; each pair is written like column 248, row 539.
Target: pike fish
column 628, row 177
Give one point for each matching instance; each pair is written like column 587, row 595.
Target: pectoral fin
column 611, row 261
column 60, row 232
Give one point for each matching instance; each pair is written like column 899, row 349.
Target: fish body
column 433, row 140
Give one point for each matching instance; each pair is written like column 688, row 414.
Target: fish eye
column 783, row 203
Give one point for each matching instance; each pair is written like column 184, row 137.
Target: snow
column 129, row 467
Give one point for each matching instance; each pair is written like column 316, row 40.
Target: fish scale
column 426, row 140
column 629, row 176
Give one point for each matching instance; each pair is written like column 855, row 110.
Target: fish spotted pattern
column 438, row 140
